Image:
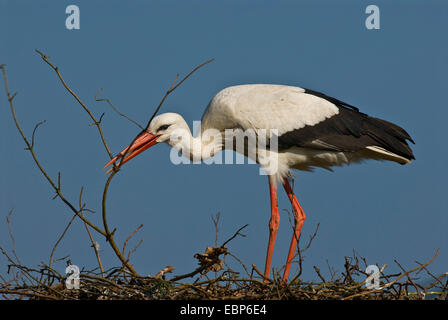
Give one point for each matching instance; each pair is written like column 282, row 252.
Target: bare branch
column 95, row 249
column 31, row 150
column 129, row 237
column 8, row 220
column 116, row 109
column 174, row 87
column 237, row 233
column 34, row 131
column 60, row 239
column 97, row 123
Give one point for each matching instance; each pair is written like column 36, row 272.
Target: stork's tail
column 391, row 141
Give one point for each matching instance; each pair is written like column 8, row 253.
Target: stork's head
column 167, row 124
column 161, row 129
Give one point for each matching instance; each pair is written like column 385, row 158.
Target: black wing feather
column 349, row 131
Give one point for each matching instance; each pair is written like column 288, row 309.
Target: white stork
column 314, row 130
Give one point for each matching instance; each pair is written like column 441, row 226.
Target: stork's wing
column 350, row 131
column 263, row 106
column 304, row 118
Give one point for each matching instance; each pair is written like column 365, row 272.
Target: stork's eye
column 163, row 127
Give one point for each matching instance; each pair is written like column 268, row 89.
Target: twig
column 8, row 220
column 110, row 235
column 95, row 249
column 116, row 109
column 31, row 150
column 106, row 232
column 60, row 239
column 319, row 274
column 130, row 236
column 174, row 87
column 215, row 220
column 207, row 265
column 236, row 234
column 393, row 282
column 254, row 267
column 34, row 131
column 416, row 286
column 56, row 69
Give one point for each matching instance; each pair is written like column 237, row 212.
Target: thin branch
column 8, row 220
column 97, row 123
column 34, row 131
column 237, row 233
column 129, row 237
column 393, row 282
column 130, row 252
column 215, row 220
column 174, row 87
column 31, row 150
column 60, row 239
column 110, row 235
column 95, row 249
column 116, row 109
column 207, row 265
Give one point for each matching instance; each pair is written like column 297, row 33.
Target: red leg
column 273, row 225
column 299, row 217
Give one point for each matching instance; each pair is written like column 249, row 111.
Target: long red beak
column 144, row 141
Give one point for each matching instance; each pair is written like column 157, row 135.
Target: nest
column 212, row 280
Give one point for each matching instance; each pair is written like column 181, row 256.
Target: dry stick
column 14, row 264
column 60, row 239
column 416, row 286
column 27, row 293
column 116, row 109
column 205, row 266
column 57, row 188
column 95, row 249
column 129, row 237
column 27, row 273
column 174, row 87
column 237, row 233
column 254, row 267
column 34, row 131
column 97, row 123
column 437, row 279
column 215, row 220
column 240, row 262
column 106, row 233
column 110, row 235
column 319, row 274
column 135, row 249
column 395, row 281
column 8, row 220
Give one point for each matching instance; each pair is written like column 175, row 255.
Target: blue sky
column 133, row 50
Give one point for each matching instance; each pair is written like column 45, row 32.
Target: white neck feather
column 199, row 148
